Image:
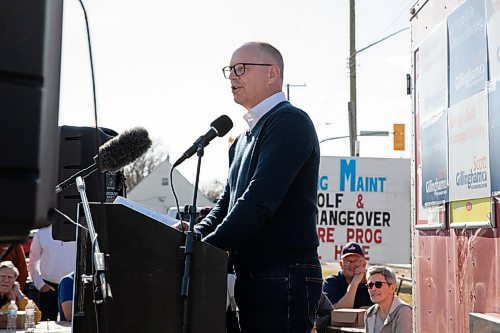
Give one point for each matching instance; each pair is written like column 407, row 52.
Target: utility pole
column 351, row 106
column 288, row 85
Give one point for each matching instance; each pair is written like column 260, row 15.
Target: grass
column 405, row 293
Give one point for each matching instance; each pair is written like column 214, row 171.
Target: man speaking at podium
column 266, row 217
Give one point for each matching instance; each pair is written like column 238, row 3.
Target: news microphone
column 115, row 154
column 219, row 127
column 123, row 149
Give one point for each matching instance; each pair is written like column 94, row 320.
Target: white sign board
column 364, row 200
column 469, row 169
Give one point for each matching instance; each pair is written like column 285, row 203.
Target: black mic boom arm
column 84, row 173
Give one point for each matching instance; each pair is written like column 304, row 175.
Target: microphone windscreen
column 222, row 125
column 124, row 149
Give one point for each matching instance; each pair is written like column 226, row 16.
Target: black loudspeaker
column 30, row 62
column 144, row 269
column 77, row 148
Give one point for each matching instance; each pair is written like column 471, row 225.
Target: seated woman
column 10, row 289
column 389, row 313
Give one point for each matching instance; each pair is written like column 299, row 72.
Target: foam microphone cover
column 124, row 149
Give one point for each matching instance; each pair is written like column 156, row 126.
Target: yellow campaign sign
column 470, row 212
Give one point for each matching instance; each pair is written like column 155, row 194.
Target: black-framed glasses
column 377, row 284
column 239, row 68
column 352, row 262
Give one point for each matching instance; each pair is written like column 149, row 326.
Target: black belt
column 52, row 284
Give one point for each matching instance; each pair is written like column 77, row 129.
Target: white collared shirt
column 253, row 115
column 50, row 259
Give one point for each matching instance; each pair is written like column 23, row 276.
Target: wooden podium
column 144, row 270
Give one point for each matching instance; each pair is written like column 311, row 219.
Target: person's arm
column 214, row 218
column 15, row 293
column 347, row 301
column 34, row 265
column 216, row 215
column 65, row 296
column 67, row 308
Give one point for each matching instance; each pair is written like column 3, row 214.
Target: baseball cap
column 352, row 248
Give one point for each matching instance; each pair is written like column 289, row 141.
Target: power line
column 404, row 9
column 381, row 40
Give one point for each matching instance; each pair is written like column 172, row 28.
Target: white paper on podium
column 145, row 211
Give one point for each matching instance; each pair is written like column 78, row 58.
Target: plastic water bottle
column 12, row 316
column 29, row 317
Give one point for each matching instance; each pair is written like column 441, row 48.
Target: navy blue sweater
column 267, row 213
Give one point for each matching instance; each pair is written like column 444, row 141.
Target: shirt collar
column 253, row 115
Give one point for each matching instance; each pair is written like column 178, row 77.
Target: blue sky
column 158, row 65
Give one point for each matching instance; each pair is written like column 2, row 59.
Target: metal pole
column 352, row 75
column 288, row 85
column 98, row 259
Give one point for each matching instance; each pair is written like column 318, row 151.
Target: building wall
column 154, row 191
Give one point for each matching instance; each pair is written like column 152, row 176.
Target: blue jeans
column 281, row 299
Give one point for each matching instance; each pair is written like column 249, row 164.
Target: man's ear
column 274, row 73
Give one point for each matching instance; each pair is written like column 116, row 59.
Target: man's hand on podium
column 181, row 226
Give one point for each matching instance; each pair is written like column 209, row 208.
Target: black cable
column 96, row 140
column 175, row 195
column 91, row 59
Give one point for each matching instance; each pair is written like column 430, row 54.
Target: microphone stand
column 99, row 258
column 191, row 237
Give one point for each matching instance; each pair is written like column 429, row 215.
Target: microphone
column 219, row 127
column 115, row 154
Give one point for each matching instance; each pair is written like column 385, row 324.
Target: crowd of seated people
column 10, row 289
column 38, row 276
column 356, row 287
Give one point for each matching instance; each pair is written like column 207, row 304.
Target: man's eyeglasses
column 239, row 68
column 352, row 262
column 7, row 277
column 377, row 284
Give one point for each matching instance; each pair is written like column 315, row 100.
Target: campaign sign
column 364, row 200
column 434, row 153
column 467, row 50
column 433, row 73
column 470, row 213
column 469, row 171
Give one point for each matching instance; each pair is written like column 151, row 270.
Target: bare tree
column 213, row 189
column 141, row 167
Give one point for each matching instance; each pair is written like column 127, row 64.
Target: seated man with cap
column 348, row 288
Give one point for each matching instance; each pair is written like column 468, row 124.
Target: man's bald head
column 269, row 54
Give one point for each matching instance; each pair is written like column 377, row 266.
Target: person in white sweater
column 49, row 261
